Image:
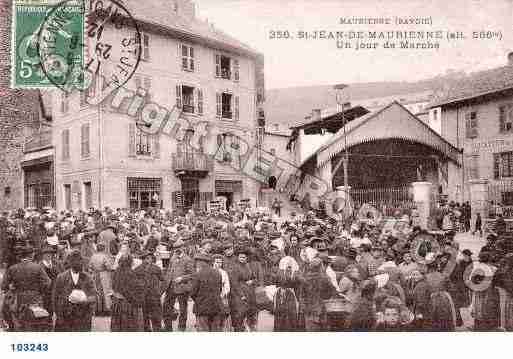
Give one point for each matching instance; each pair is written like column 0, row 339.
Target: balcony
column 38, row 141
column 226, row 74
column 196, row 165
column 227, row 114
column 188, row 108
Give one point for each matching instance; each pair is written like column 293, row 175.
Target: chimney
column 510, row 59
column 316, row 114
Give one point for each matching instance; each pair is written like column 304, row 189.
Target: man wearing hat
column 153, row 279
column 242, row 292
column 177, row 285
column 74, row 297
column 28, row 283
column 52, row 268
column 108, row 238
column 459, row 292
column 206, row 293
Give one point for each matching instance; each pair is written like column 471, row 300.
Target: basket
column 338, row 305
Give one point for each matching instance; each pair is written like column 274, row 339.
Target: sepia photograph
column 255, row 166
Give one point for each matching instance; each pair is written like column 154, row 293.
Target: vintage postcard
column 255, row 166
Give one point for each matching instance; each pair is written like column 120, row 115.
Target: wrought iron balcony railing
column 196, row 162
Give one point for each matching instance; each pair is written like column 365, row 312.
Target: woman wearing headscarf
column 286, row 305
column 101, row 266
column 127, row 298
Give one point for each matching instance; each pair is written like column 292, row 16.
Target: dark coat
column 206, row 292
column 29, row 280
column 52, row 273
column 363, row 318
column 153, row 279
column 242, row 296
column 179, row 267
column 73, row 317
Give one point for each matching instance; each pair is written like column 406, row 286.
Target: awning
column 393, row 121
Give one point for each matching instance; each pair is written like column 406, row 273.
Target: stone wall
column 19, row 112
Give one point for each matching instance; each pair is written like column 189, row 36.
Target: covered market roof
column 393, row 121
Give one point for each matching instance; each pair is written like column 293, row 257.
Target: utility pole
column 341, row 108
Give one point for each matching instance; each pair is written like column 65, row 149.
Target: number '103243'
column 29, row 347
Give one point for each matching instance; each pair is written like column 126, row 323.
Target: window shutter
column 236, row 108
column 217, row 60
column 200, row 101
column 496, row 165
column 147, row 87
column 87, row 139
column 502, row 118
column 468, row 127
column 131, row 140
column 219, row 104
column 236, row 70
column 146, row 46
column 177, row 200
column 156, row 146
column 179, row 96
column 82, row 140
column 83, row 95
column 65, row 144
column 191, row 60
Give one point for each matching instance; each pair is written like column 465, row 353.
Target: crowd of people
column 144, row 269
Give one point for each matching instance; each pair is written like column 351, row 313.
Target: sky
column 298, row 62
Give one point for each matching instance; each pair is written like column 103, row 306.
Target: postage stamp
column 33, row 66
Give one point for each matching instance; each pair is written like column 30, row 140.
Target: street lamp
column 340, row 108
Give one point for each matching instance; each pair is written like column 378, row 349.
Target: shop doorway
column 229, row 198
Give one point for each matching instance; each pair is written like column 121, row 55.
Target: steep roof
column 476, row 84
column 393, row 121
column 159, row 13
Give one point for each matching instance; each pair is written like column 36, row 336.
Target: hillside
column 289, row 106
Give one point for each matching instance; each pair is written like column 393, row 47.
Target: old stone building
column 104, row 159
column 20, row 114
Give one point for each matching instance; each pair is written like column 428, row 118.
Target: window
column 145, row 46
column 38, row 195
column 276, row 127
column 471, row 124
column 88, row 195
column 65, row 145
column 84, row 140
column 227, row 67
column 67, row 196
column 144, row 82
column 64, row 102
column 144, row 192
column 472, row 167
column 503, row 165
column 142, row 143
column 189, row 99
column 507, row 198
column 227, row 106
column 187, row 58
column 505, row 118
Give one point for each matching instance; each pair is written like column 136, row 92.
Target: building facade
column 104, row 159
column 477, row 117
column 21, row 117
